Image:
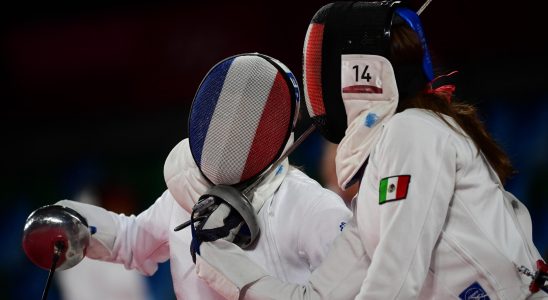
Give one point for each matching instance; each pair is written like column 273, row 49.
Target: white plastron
column 370, row 97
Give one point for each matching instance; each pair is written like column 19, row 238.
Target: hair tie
column 445, row 91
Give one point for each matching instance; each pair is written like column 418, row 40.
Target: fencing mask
column 242, row 116
column 345, row 28
column 352, row 84
column 240, row 122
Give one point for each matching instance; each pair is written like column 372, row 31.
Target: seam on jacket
column 480, row 228
column 412, row 262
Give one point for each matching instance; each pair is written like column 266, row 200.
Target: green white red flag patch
column 393, row 188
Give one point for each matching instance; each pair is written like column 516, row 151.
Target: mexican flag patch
column 393, row 188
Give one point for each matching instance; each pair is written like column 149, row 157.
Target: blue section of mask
column 412, row 19
column 204, row 105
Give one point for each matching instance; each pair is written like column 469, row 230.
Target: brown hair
column 406, row 51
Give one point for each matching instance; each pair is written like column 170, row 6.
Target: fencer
column 432, row 219
column 241, row 122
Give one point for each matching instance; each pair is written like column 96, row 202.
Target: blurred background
column 96, row 93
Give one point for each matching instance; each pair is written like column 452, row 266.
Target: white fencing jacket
column 431, row 221
column 298, row 221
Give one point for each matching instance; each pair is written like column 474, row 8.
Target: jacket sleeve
column 139, row 242
column 227, row 269
column 412, row 217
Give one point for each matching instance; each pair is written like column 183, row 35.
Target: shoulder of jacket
column 308, row 192
column 414, row 117
column 413, row 123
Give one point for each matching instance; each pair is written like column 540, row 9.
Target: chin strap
column 445, row 91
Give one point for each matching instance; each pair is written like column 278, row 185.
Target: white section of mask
column 370, row 97
column 186, row 183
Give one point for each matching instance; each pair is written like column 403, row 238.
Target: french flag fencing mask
column 241, row 118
